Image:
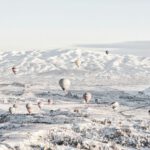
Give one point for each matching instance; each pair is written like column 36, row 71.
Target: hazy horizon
column 49, row 24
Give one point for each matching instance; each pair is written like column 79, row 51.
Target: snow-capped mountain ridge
column 34, row 62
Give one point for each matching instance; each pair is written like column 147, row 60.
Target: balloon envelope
column 28, row 105
column 107, row 52
column 14, row 70
column 78, row 63
column 115, row 105
column 64, row 84
column 11, row 110
column 87, row 96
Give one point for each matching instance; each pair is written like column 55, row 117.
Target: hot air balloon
column 87, row 97
column 40, row 105
column 114, row 105
column 11, row 110
column 14, row 70
column 50, row 101
column 64, row 84
column 29, row 108
column 15, row 105
column 78, row 63
column 107, row 52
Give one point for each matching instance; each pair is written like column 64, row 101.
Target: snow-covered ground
column 69, row 123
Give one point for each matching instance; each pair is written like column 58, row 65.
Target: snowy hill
column 100, row 66
column 67, row 122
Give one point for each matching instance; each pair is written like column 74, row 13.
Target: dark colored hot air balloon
column 14, row 70
column 107, row 52
column 15, row 105
column 50, row 101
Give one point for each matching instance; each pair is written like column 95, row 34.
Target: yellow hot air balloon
column 78, row 62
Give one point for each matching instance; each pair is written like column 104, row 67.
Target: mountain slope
column 94, row 64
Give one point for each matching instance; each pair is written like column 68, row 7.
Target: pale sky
column 43, row 24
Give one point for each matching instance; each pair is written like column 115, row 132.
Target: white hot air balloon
column 64, row 84
column 114, row 105
column 78, row 62
column 29, row 108
column 87, row 97
column 11, row 110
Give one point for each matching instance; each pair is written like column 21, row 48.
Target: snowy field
column 67, row 122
